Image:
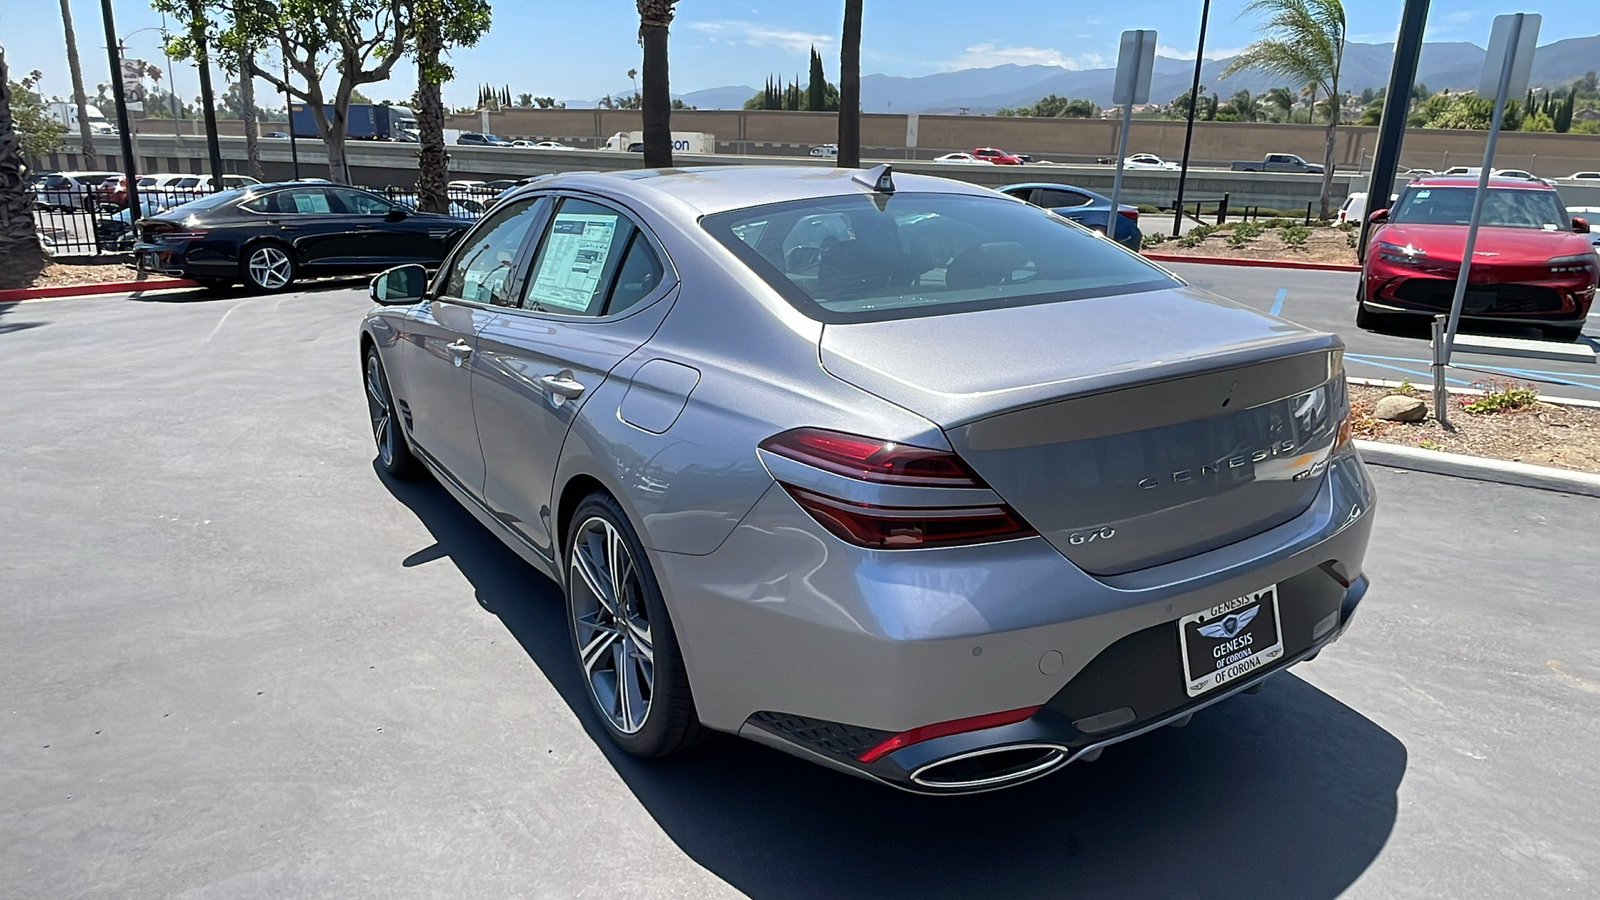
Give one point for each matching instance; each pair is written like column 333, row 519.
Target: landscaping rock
column 1400, row 408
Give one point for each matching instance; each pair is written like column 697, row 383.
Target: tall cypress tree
column 817, row 90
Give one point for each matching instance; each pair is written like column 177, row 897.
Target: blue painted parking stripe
column 1277, row 302
column 1525, row 372
column 1424, row 374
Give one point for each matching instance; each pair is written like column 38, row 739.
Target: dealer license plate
column 1230, row 640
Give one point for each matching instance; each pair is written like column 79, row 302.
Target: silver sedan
column 894, row 473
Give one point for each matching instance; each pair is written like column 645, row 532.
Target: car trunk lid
column 1129, row 431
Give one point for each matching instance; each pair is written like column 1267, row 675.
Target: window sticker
column 574, row 259
column 311, row 202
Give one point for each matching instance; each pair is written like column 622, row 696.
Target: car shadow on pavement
column 9, row 327
column 1287, row 793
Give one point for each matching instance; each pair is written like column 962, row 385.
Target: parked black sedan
column 268, row 236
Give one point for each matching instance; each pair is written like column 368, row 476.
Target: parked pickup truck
column 1277, row 162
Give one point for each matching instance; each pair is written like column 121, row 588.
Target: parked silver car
column 894, row 473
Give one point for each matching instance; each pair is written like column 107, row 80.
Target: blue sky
column 583, row 50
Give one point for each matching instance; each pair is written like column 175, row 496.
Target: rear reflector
column 944, row 729
column 904, row 528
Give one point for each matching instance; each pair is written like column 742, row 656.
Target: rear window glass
column 1504, row 207
column 870, row 258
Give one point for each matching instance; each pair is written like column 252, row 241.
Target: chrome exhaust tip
column 990, row 767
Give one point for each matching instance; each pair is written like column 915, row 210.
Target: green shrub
column 1153, row 239
column 1295, row 235
column 1194, row 236
column 1244, row 233
column 1502, row 396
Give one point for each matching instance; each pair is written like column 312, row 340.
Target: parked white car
column 70, row 190
column 1584, row 176
column 1353, row 208
column 826, row 151
column 1148, row 161
column 962, row 158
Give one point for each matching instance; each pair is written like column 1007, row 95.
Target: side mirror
column 399, row 286
column 1379, row 216
column 396, row 213
column 1580, row 225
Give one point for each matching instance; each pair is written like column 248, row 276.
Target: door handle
column 459, row 352
column 560, row 386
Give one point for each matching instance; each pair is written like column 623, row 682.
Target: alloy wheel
column 270, row 267
column 612, row 625
column 379, row 409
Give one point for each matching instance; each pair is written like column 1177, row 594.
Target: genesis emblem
column 1231, row 625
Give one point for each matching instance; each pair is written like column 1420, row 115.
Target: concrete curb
column 1253, row 263
column 1542, row 478
column 106, row 287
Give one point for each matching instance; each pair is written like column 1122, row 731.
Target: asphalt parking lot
column 236, row 662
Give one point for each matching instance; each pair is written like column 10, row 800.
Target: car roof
column 712, row 189
column 1495, row 181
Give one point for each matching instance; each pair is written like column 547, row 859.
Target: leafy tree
column 38, row 132
column 524, row 100
column 1302, row 40
column 359, row 41
column 85, row 132
column 620, row 101
column 1538, row 122
column 548, row 103
column 1242, row 105
column 850, row 88
column 1054, row 107
column 1279, row 102
column 21, row 256
column 655, row 102
column 441, row 24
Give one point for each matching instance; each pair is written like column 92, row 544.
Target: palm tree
column 1302, row 40
column 850, row 88
column 21, row 257
column 1280, row 99
column 90, row 160
column 655, row 103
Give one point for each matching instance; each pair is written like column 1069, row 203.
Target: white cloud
column 1188, row 52
column 983, row 56
column 757, row 35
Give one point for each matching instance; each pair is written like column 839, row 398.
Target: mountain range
column 1456, row 65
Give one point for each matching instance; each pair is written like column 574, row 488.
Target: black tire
column 394, row 452
column 1564, row 332
column 669, row 723
column 268, row 267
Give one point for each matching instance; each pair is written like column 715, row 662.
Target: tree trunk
column 21, row 257
column 252, row 126
column 90, row 158
column 850, row 88
column 1333, row 129
column 432, row 159
column 655, row 103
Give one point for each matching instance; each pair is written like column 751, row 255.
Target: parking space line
column 1277, row 302
column 1424, row 373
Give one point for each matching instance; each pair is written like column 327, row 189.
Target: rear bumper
column 797, row 640
column 199, row 260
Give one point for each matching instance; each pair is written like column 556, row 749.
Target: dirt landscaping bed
column 1275, row 240
column 99, row 271
column 1539, row 433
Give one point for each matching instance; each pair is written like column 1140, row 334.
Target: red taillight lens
column 887, row 462
column 870, row 459
column 944, row 729
column 1129, row 214
column 173, row 237
column 903, row 528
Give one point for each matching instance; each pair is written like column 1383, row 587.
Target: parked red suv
column 998, row 157
column 1532, row 264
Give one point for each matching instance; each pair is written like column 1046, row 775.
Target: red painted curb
column 1254, row 263
column 105, row 287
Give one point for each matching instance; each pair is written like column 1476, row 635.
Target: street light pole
column 130, row 167
column 1188, row 131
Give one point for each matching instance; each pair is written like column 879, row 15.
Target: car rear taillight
column 175, row 237
column 887, row 462
column 1129, row 214
column 945, row 729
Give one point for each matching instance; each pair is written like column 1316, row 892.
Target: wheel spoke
column 594, row 651
column 583, row 564
column 639, row 636
column 625, row 693
column 615, row 556
column 380, row 428
column 630, row 690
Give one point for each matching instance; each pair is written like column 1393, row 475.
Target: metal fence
column 94, row 220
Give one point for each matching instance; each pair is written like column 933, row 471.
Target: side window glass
column 580, row 252
column 481, row 272
column 263, row 204
column 638, row 275
column 307, row 201
column 361, row 204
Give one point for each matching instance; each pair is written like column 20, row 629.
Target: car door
column 300, row 217
column 374, row 242
column 438, row 352
column 595, row 293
